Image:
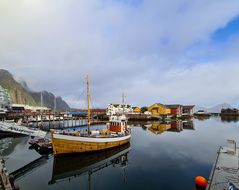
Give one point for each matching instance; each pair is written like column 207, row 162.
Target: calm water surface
column 155, row 159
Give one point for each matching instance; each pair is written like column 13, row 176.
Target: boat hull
column 65, row 144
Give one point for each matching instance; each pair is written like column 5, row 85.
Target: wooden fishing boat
column 93, row 141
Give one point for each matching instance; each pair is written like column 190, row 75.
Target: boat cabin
column 117, row 124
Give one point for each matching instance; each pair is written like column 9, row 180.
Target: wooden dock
column 225, row 172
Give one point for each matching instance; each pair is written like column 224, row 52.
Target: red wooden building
column 175, row 110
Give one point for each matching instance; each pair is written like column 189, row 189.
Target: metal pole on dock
column 59, row 122
column 49, row 118
column 27, row 120
column 41, row 121
column 37, row 120
column 63, row 121
column 41, row 108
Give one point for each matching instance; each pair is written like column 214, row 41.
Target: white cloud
column 144, row 50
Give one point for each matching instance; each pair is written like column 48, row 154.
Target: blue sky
column 179, row 51
column 227, row 32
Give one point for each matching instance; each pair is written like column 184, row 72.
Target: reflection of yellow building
column 137, row 110
column 159, row 109
column 158, row 128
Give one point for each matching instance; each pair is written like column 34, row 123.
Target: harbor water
column 157, row 158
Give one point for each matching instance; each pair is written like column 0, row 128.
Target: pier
column 52, row 120
column 225, row 172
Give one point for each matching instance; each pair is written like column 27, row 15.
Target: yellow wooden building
column 137, row 110
column 159, row 109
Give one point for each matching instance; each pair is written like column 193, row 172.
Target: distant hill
column 21, row 94
column 214, row 109
column 217, row 108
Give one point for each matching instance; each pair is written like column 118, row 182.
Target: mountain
column 48, row 100
column 21, row 94
column 18, row 93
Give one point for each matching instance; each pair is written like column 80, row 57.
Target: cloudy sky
column 178, row 51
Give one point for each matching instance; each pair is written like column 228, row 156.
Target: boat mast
column 88, row 103
column 54, row 104
column 41, row 107
column 123, row 104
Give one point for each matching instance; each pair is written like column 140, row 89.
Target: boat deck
column 225, row 169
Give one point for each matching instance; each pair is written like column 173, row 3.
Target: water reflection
column 7, row 145
column 169, row 160
column 171, row 126
column 65, row 168
column 228, row 118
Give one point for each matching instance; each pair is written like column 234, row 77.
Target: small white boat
column 202, row 113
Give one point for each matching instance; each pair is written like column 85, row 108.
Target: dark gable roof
column 173, row 106
column 115, row 104
column 189, row 106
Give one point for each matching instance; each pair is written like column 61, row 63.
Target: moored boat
column 202, row 113
column 68, row 143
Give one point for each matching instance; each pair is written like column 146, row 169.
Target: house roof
column 189, row 106
column 157, row 104
column 173, row 106
column 116, row 105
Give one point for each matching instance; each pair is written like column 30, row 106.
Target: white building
column 5, row 100
column 114, row 109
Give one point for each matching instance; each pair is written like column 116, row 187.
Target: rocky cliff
column 21, row 94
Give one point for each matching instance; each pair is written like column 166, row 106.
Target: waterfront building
column 175, row 110
column 5, row 100
column 137, row 110
column 178, row 110
column 147, row 113
column 188, row 110
column 158, row 109
column 114, row 109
